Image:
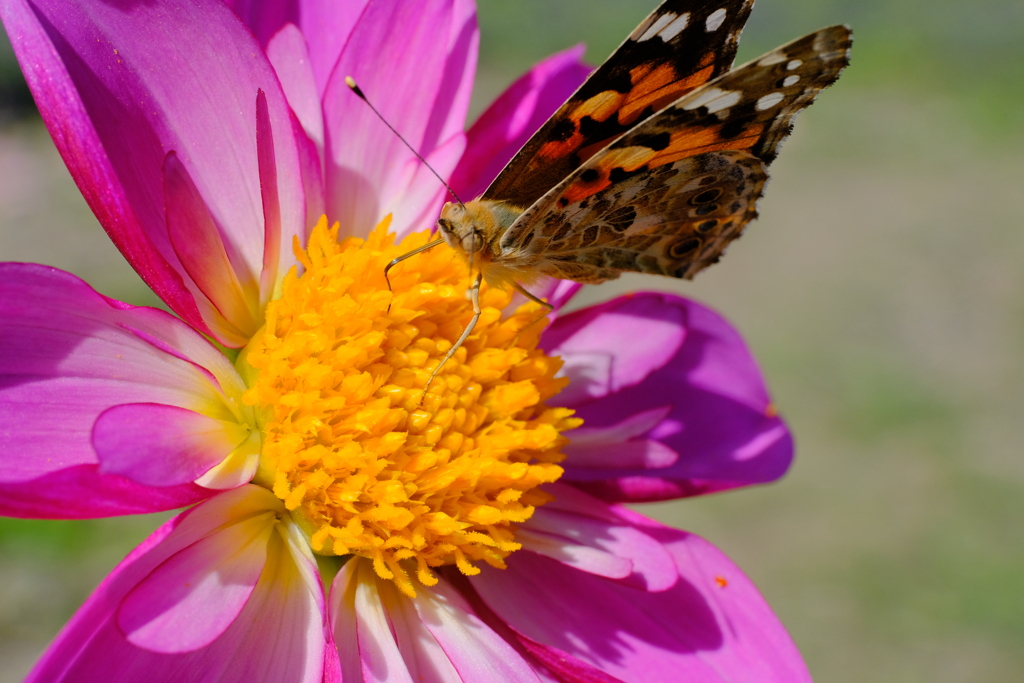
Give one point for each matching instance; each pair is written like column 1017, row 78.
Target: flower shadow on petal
column 721, row 423
column 596, row 619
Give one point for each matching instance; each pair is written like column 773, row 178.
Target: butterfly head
column 461, row 227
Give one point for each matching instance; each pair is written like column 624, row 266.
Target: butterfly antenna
column 351, row 83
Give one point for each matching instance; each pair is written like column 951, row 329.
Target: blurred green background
column 882, row 291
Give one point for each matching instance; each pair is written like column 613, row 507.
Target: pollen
column 370, row 460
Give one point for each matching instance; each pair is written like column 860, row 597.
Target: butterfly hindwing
column 674, row 221
column 680, row 46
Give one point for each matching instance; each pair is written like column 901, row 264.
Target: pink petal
column 169, row 610
column 81, row 492
column 514, row 116
column 366, row 646
column 161, row 445
column 277, row 637
column 383, row 635
column 617, row 446
column 615, row 345
column 325, row 25
column 197, row 242
column 567, row 668
column 288, row 52
column 311, row 170
column 588, row 534
column 712, row 625
column 415, row 62
column 721, row 425
column 68, row 354
column 583, row 557
column 476, row 651
column 120, row 86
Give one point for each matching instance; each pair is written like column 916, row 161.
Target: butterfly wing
column 670, row 195
column 678, row 47
column 673, row 220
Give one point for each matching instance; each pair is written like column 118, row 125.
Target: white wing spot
column 769, row 101
column 714, row 99
column 714, row 20
column 794, row 64
column 673, row 29
column 642, row 28
column 790, row 80
column 662, row 21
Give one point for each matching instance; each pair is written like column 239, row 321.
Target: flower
column 470, row 530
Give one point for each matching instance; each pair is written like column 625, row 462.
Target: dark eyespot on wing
column 684, row 247
column 707, row 196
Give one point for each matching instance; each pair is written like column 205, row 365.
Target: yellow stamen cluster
column 368, row 462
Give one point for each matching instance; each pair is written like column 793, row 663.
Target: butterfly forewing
column 723, row 133
column 677, row 48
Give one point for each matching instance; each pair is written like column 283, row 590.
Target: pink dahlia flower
column 472, row 531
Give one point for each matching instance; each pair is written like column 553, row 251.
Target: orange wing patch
column 620, row 162
column 659, row 86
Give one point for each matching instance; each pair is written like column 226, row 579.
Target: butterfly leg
column 474, row 295
column 395, row 262
column 519, row 288
column 550, row 307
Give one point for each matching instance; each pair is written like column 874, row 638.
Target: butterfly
column 654, row 165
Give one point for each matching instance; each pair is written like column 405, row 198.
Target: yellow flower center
column 369, row 463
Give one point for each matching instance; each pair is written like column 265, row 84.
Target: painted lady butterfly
column 655, row 164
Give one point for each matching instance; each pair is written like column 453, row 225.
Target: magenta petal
column 199, row 246
column 478, row 653
column 712, row 625
column 122, row 84
column 68, row 354
column 621, row 445
column 277, row 637
column 288, row 52
column 614, row 345
column 721, row 423
column 81, row 492
column 415, row 62
column 517, row 114
column 588, row 534
column 170, row 610
column 160, row 445
column 325, row 25
column 566, row 668
column 384, row 636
